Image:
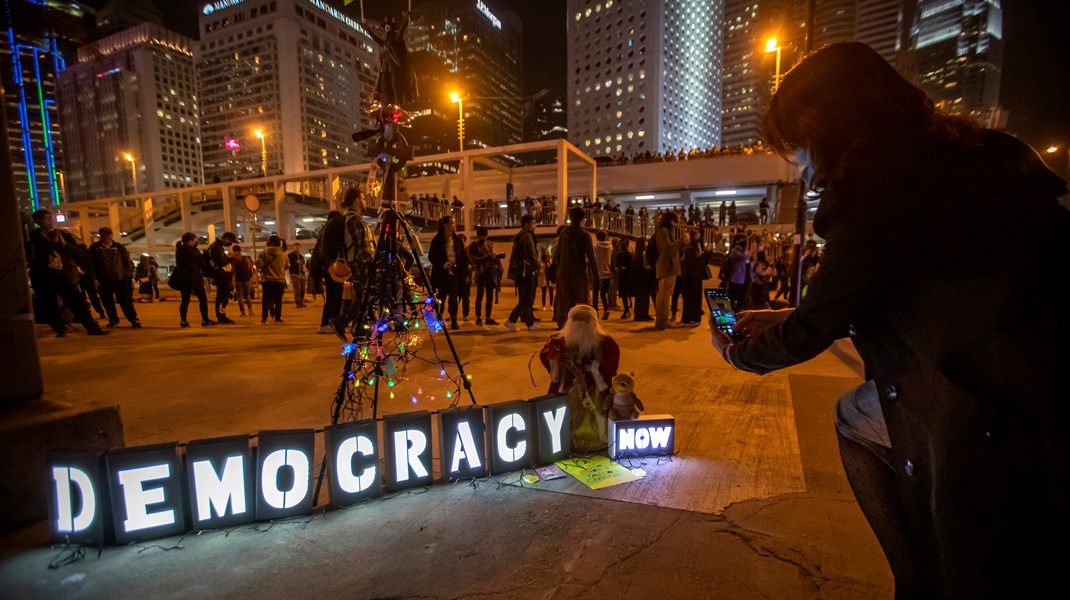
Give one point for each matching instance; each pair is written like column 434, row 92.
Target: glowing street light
column 771, row 45
column 263, row 150
column 455, row 97
column 133, row 168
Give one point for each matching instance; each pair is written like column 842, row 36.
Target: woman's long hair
column 846, row 104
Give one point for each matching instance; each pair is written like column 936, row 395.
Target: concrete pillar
column 20, row 366
column 185, row 210
column 228, row 210
column 562, row 184
column 148, row 215
column 113, row 216
column 333, row 187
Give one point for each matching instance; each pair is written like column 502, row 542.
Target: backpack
column 207, row 265
column 243, row 269
column 652, row 251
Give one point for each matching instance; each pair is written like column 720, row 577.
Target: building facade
column 644, row 75
column 129, row 115
column 956, row 54
column 881, row 25
column 294, row 71
column 39, row 40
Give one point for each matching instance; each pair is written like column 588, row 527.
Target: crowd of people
column 692, row 154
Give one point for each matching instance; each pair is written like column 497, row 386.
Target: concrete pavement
column 755, row 504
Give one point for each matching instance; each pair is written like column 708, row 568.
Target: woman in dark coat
column 693, row 272
column 625, row 278
column 642, row 281
column 956, row 445
column 449, row 266
column 188, row 278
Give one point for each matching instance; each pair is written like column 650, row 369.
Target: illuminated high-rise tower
column 644, row 75
column 956, row 54
column 40, row 38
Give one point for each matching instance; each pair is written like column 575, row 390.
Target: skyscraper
column 956, row 54
column 644, row 75
column 39, row 40
column 748, row 70
column 294, row 70
column 881, row 26
column 131, row 93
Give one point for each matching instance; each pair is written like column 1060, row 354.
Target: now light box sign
column 146, row 492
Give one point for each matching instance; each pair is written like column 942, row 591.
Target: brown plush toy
column 626, row 405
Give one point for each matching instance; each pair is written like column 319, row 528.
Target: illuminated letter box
column 649, row 435
column 352, row 452
column 284, row 473
column 146, row 492
column 407, row 438
column 220, row 482
column 463, row 437
column 509, row 427
column 76, row 508
column 554, row 436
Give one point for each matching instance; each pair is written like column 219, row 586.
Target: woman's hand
column 719, row 340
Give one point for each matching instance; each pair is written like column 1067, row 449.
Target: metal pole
column 800, row 203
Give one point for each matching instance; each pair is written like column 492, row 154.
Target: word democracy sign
column 146, row 492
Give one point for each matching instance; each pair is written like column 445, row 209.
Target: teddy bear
column 626, row 405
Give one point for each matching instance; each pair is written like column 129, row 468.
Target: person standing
column 576, row 265
column 603, row 257
column 667, row 268
column 349, row 238
column 481, row 255
column 732, row 213
column 763, row 210
column 298, row 273
column 114, row 271
column 448, row 265
column 549, row 277
column 623, row 262
column 955, row 446
column 53, row 272
column 273, row 264
column 722, row 213
column 738, row 271
column 243, row 279
column 188, row 278
column 147, row 274
column 523, row 270
column 694, row 271
column 222, row 274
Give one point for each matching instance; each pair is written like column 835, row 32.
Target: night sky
column 1036, row 65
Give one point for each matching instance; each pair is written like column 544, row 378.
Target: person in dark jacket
column 644, row 281
column 449, row 264
column 482, row 257
column 114, row 271
column 188, row 278
column 222, row 274
column 956, row 445
column 576, row 266
column 54, row 255
column 524, row 271
column 625, row 278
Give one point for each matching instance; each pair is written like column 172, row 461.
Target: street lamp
column 772, row 46
column 1052, row 149
column 263, row 150
column 455, row 97
column 133, row 168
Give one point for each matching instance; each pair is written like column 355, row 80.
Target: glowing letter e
column 138, row 498
column 65, row 477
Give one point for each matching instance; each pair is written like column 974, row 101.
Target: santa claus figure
column 582, row 359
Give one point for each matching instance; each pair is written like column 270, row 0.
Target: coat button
column 908, row 468
column 891, row 392
column 851, row 331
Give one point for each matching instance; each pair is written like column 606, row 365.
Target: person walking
column 603, row 256
column 188, row 278
column 523, row 270
column 243, row 268
column 298, row 272
column 114, row 272
column 955, row 446
column 576, row 265
column 449, row 263
column 273, row 264
column 667, row 268
column 222, row 274
column 54, row 255
column 481, row 255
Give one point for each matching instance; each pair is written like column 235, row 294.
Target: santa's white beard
column 583, row 338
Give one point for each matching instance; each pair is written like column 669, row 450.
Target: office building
column 39, row 40
column 545, row 117
column 644, row 75
column 129, row 115
column 880, row 24
column 294, row 70
column 956, row 54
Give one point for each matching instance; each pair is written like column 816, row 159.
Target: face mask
column 804, row 162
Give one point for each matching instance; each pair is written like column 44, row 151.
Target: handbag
column 339, row 270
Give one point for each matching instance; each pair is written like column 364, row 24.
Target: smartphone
column 721, row 309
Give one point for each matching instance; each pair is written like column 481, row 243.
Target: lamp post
column 772, row 46
column 133, row 168
column 455, row 97
column 263, row 151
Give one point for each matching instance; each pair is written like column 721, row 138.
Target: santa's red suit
column 564, row 365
